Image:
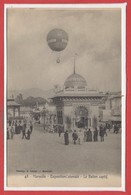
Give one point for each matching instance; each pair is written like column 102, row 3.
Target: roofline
column 14, row 105
column 62, row 96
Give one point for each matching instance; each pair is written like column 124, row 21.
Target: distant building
column 25, row 111
column 13, row 108
column 112, row 111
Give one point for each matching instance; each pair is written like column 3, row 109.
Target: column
column 64, row 123
column 74, row 123
column 89, row 122
column 57, row 119
column 19, row 112
column 13, row 112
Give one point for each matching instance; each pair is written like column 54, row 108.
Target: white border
column 123, row 84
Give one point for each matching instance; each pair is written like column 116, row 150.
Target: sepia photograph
column 65, row 92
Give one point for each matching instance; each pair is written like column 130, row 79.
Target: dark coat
column 8, row 135
column 66, row 137
column 74, row 136
column 89, row 136
column 102, row 132
column 95, row 135
column 28, row 134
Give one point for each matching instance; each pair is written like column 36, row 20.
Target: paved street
column 46, row 151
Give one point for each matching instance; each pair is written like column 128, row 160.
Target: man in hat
column 74, row 136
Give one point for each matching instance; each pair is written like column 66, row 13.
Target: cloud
column 94, row 34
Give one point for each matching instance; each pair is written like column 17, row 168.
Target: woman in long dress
column 85, row 135
column 66, row 137
column 89, row 136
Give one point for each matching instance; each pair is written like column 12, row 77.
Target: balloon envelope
column 57, row 39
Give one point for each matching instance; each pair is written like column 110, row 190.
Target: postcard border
column 123, row 84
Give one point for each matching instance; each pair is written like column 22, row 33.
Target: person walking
column 8, row 133
column 12, row 132
column 28, row 134
column 9, row 122
column 16, row 127
column 105, row 130
column 95, row 136
column 102, row 133
column 31, row 127
column 85, row 135
column 74, row 136
column 66, row 137
column 79, row 136
column 116, row 129
column 24, row 130
column 89, row 136
column 59, row 131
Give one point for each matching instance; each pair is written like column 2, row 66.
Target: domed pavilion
column 77, row 106
column 75, row 81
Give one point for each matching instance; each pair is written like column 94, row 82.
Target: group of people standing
column 87, row 135
column 27, row 130
column 10, row 129
column 18, row 127
column 116, row 128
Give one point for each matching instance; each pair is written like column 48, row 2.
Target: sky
column 95, row 35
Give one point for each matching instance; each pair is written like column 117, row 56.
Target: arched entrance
column 81, row 117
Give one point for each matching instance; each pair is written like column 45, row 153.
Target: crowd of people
column 23, row 127
column 87, row 135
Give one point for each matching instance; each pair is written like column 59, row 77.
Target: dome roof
column 75, row 80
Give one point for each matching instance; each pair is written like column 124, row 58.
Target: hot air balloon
column 57, row 40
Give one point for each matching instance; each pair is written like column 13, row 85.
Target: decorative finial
column 74, row 62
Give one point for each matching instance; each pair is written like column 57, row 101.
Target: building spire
column 75, row 62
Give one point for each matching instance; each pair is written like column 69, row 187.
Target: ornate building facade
column 77, row 106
